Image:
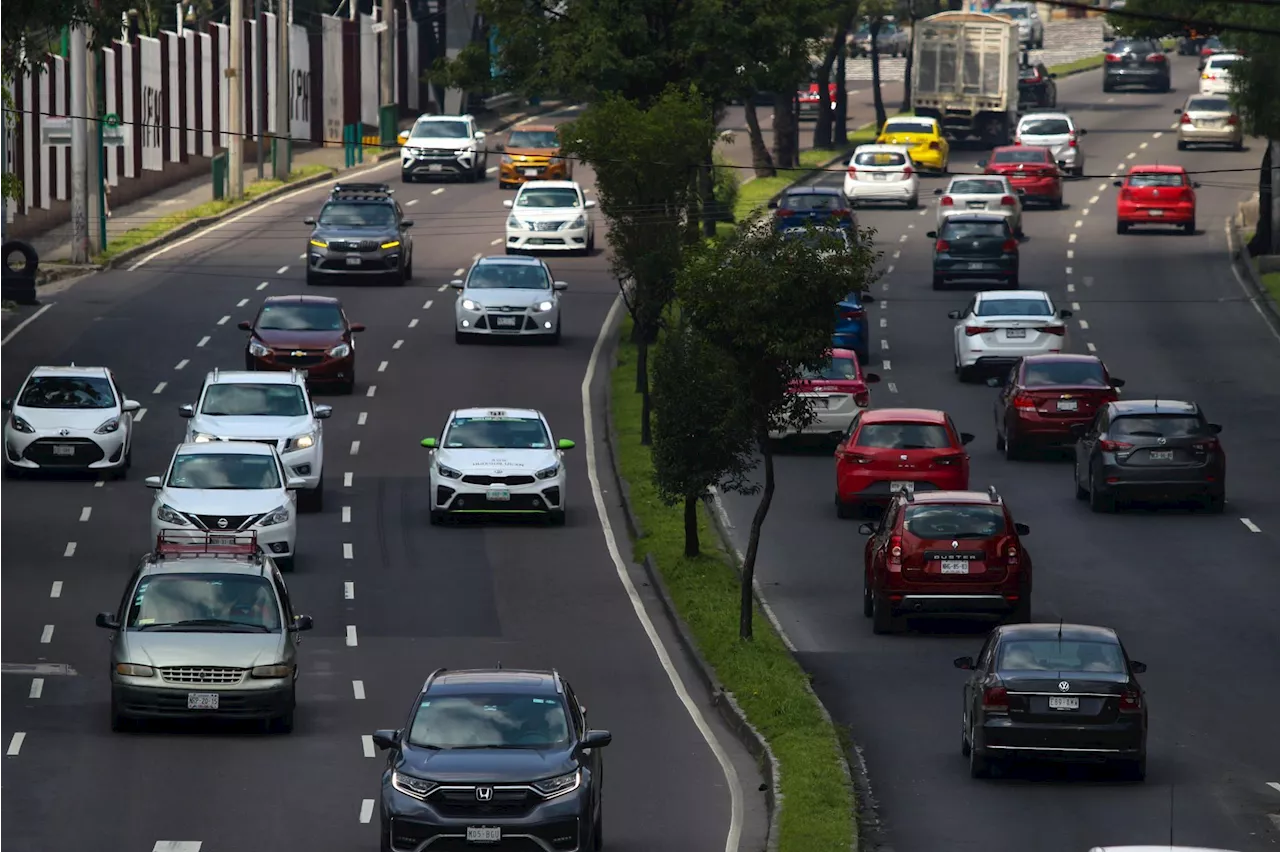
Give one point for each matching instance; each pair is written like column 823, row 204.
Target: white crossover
column 497, row 461
column 443, row 146
column 1056, row 131
column 879, row 173
column 998, row 327
column 269, row 407
column 69, row 418
column 232, row 487
column 1215, row 78
column 507, row 296
column 550, row 215
column 983, row 194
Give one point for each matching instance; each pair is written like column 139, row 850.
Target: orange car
column 532, row 152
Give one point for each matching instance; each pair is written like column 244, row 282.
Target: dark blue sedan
column 813, row 205
column 852, row 331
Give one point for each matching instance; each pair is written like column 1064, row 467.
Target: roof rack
column 431, row 677
column 555, row 675
column 991, row 492
column 362, row 189
column 179, row 543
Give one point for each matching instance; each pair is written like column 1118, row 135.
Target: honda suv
column 500, row 757
column 361, row 231
column 948, row 553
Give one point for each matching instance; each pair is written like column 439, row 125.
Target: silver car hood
column 255, row 428
column 502, row 297
column 164, row 649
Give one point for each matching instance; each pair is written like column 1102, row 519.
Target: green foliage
column 10, row 184
column 470, row 70
column 33, row 28
column 725, row 188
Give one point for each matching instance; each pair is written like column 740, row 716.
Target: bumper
column 889, row 190
column 824, row 423
column 519, row 173
column 142, row 702
column 1214, row 87
column 974, row 270
column 530, row 323
column 559, row 825
column 307, row 465
column 1231, row 135
column 1136, row 78
column 344, row 264
column 959, row 603
column 457, row 497
column 412, row 167
column 927, row 158
column 324, row 371
column 277, row 539
column 872, row 490
column 1168, row 483
column 1123, row 739
column 565, row 239
column 1014, row 217
column 1046, row 430
column 1043, row 191
column 1005, row 355
column 88, row 451
column 1142, row 215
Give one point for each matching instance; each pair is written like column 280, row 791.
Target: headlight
column 513, row 222
column 507, row 159
column 20, row 425
column 202, row 438
column 548, row 472
column 279, row 670
column 107, row 428
column 468, row 305
column 257, row 350
column 556, row 161
column 410, row 786
column 448, row 472
column 543, row 306
column 170, row 515
column 342, row 350
column 134, row 670
column 390, row 244
column 319, row 243
column 278, row 515
column 301, row 442
column 558, row 786
column 580, row 222
column 464, row 152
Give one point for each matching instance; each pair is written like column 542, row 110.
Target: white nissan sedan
column 882, row 173
column 998, row 327
column 550, row 215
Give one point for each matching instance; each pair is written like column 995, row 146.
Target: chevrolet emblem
column 297, row 353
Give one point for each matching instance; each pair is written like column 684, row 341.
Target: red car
column 1045, row 396
column 893, row 449
column 1030, row 169
column 1156, row 195
column 309, row 333
column 811, row 99
column 839, row 391
column 945, row 553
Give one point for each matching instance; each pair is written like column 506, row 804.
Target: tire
column 979, row 764
column 1122, row 227
column 1012, row 447
column 591, row 242
column 844, row 511
column 408, row 271
column 1056, row 204
column 913, row 203
column 556, row 517
column 1238, row 146
column 999, row 441
column 347, row 389
column 282, row 724
column 864, row 356
column 313, row 280
column 1082, row 493
column 1107, row 87
column 964, row 374
column 384, row 839
column 964, row 737
column 939, row 283
column 406, row 178
column 882, row 620
column 597, row 831
column 398, row 278
column 868, row 603
column 30, row 260
column 437, row 517
column 1182, row 146
column 554, row 339
column 1190, row 228
column 1100, row 502
column 1013, row 283
column 121, row 472
column 121, row 723
column 11, row 472
column 1214, row 504
column 285, row 564
column 1021, row 613
column 312, row 500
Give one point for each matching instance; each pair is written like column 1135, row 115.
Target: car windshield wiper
column 206, row 622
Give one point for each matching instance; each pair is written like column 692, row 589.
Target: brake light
column 1023, row 401
column 1186, row 119
column 1113, row 57
column 1007, row 201
column 1233, row 120
column 907, row 171
column 934, row 146
column 1060, row 330
column 1017, row 140
column 947, row 461
column 1072, row 142
column 1208, row 76
column 1114, row 446
column 995, row 699
column 1035, row 79
column 1211, row 444
column 1156, row 57
column 852, row 457
column 947, row 201
column 857, row 313
column 853, row 172
column 895, row 550
column 782, row 211
column 840, row 214
column 1125, row 195
column 1131, row 702
column 942, row 245
column 975, row 330
column 1009, row 247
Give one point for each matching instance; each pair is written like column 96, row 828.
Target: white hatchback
column 983, row 194
column 998, row 327
column 1056, row 131
column 1215, row 79
column 882, row 173
column 550, row 215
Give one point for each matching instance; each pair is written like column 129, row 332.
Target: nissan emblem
column 484, row 794
column 1063, row 686
column 222, row 523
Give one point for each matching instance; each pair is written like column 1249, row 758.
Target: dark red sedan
column 1044, row 396
column 1031, row 169
column 308, row 333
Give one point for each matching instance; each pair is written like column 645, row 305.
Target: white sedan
column 998, row 327
column 882, row 173
column 1215, row 79
column 550, row 215
column 984, row 194
column 69, row 418
column 497, row 461
column 507, row 296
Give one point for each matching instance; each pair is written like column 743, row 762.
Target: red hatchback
column 308, row 333
column 1031, row 169
column 810, row 99
column 1045, row 396
column 947, row 553
column 898, row 449
column 1156, row 195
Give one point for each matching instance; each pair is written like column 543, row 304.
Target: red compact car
column 1156, row 195
column 810, row 99
column 945, row 553
column 894, row 449
column 838, row 390
column 308, row 333
column 1044, row 396
column 1030, row 169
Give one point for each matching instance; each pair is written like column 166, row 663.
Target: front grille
column 202, row 675
column 308, row 360
column 463, row 803
column 546, row 226
column 218, row 523
column 526, row 324
column 84, row 452
column 498, row 480
column 353, row 245
column 517, row 503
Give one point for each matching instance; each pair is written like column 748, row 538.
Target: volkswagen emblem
column 1162, row 441
column 64, row 432
column 222, row 523
column 484, row 794
column 955, row 545
column 1063, row 686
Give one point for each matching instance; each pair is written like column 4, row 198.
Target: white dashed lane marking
column 366, row 811
column 226, row 319
column 373, row 389
column 1254, row 528
column 475, row 256
column 1120, row 166
column 411, row 202
column 413, row 323
column 442, row 288
column 893, row 388
column 1157, row 134
column 85, row 513
column 902, row 239
column 37, row 687
column 884, row 344
column 355, row 447
column 239, row 304
column 1091, row 347
column 1274, row 785
column 884, row 322
column 357, row 689
column 349, row 593
column 366, row 743
column 897, row 254
column 1071, row 288
column 204, row 340
column 137, row 418
column 181, row 365
column 1130, row 155
column 1071, row 253
column 70, row 549
column 1068, row 270
column 282, row 270
column 382, row 367
column 889, row 271
column 263, row 285
column 362, row 418
column 1102, row 187
column 347, row 479
column 15, row 744
column 1071, row 238
column 160, row 387
column 1094, row 199
column 1079, row 223
column 46, row 635
column 459, row 270
column 885, row 365
column 1140, row 147
column 397, row 344
column 1084, row 324
column 496, row 242
column 352, row 640
column 55, row 590
column 1075, row 306
column 177, row 846
column 1084, row 212
column 437, row 191
column 346, row 514
column 348, row 550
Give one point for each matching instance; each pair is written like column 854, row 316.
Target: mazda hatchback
column 1030, row 170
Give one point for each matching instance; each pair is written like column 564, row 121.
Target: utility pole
column 282, row 145
column 258, row 110
column 388, row 51
column 93, row 170
column 235, row 104
column 79, row 149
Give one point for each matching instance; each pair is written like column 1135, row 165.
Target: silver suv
column 361, row 231
column 444, row 146
column 204, row 631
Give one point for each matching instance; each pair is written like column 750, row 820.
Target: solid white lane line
column 177, row 846
column 411, row 202
column 459, row 270
column 442, row 288
column 37, row 687
column 1079, row 223
column 1131, row 155
column 70, row 549
column 1143, row 145
column 85, row 513
column 496, row 242
column 15, row 744
column 413, row 323
column 347, row 478
column 1093, row 200
column 181, row 365
column 349, row 593
column 357, row 689
column 366, row 810
column 160, row 387
column 1252, row 527
column 397, row 344
column 352, row 639
column 437, row 190
column 1091, row 347
column 382, row 368
column 362, row 418
column 26, row 322
column 46, row 635
column 355, row 447
column 1071, row 238
column 346, row 514
column 1157, row 134
column 893, row 387
column 366, row 743
column 202, row 342
column 55, row 591
column 1084, row 324
column 282, row 270
column 263, row 285
column 348, row 551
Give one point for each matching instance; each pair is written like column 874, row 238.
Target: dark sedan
column 804, row 206
column 308, row 333
column 975, row 247
column 1036, row 86
column 1061, row 692
column 1136, row 62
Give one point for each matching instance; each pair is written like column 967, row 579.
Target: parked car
column 1209, row 120
column 1156, row 195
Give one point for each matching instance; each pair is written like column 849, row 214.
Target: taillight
column 1007, row 201
column 1059, row 330
column 1207, row 76
column 853, row 173
column 1125, row 195
column 947, row 201
column 862, row 398
column 840, row 214
column 1203, row 446
column 1035, row 79
column 1114, row 446
column 1186, row 119
column 895, row 550
column 1009, row 246
column 1072, row 142
column 1017, row 140
column 852, row 457
column 975, row 330
column 948, row 461
column 934, row 146
column 1156, row 57
column 782, row 211
column 855, row 314
column 995, row 699
column 1131, row 701
column 1233, row 120
column 1113, row 57
column 1023, row 401
column 907, row 171
column 942, row 245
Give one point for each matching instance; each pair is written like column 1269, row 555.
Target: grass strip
column 1086, row 63
column 817, row 813
column 162, row 225
column 1271, row 283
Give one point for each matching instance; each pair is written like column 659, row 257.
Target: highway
column 1192, row 595
column 392, row 597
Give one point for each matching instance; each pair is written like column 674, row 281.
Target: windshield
column 1156, row 179
column 880, row 158
column 67, row 392
column 1014, row 308
column 899, row 127
column 1045, row 127
column 835, row 370
column 1021, row 155
column 552, row 198
column 541, row 139
column 347, row 215
column 1209, row 105
column 300, row 318
column 970, row 230
column 483, row 433
column 977, row 187
column 440, row 130
column 489, row 721
column 1158, row 425
column 508, row 276
column 954, row 521
column 1071, row 373
column 807, row 201
column 254, row 401
column 1010, row 11
column 1066, row 655
column 224, row 472
column 903, row 436
column 204, row 602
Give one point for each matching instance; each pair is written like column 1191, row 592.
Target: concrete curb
column 1244, row 269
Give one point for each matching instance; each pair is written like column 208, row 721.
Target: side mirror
column 479, row 136
column 982, row 164
column 871, row 378
column 1118, row 183
column 500, row 147
column 1022, row 529
column 938, row 191
column 244, row 325
column 590, row 203
column 407, row 223
column 1137, row 667
column 302, row 622
column 152, row 482
column 310, row 220
column 866, row 529
column 1214, row 429
column 355, row 326
column 953, row 314
column 509, row 203
column 323, row 412
column 402, row 138
column 1078, row 430
column 1082, row 132
column 773, row 204
column 1195, row 184
column 993, row 382
column 869, row 299
column 456, row 283
column 1117, row 383
column 565, row 444
column 107, row 621
column 560, row 285
column 1065, row 314
column 1020, row 191
column 429, row 443
column 295, row 483
column 187, row 411
column 1177, row 111
column 386, row 740
column 933, row 235
column 966, row 438
column 130, row 406
column 963, row 663
column 596, row 739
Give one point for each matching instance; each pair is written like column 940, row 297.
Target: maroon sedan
column 309, row 333
column 1044, row 396
column 1031, row 171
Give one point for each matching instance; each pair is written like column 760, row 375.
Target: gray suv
column 204, row 631
column 360, row 232
column 1136, row 62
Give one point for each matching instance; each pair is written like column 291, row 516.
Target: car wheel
column 1056, row 204
column 405, row 177
column 844, row 511
column 1215, row 503
column 282, row 724
column 121, row 471
column 965, row 374
column 1100, row 502
column 1013, row 282
column 591, row 242
column 939, row 283
column 554, row 339
column 964, row 736
column 913, row 202
column 597, row 831
column 510, row 250
column 1107, row 87
column 437, row 517
column 312, row 500
column 1122, row 227
column 408, row 271
column 12, row 472
column 1182, row 146
column 979, row 765
column 1021, row 612
column 313, row 280
column 1237, row 146
column 347, row 389
column 1082, row 493
column 556, row 517
column 1190, row 228
column 882, row 620
column 999, row 441
column 1133, row 770
column 1012, row 447
column 864, row 355
column 384, row 838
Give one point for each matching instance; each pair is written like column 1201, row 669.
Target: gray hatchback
column 360, row 232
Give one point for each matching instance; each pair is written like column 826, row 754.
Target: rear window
column 1054, row 655
column 1050, row 373
column 909, row 127
column 812, row 201
column 1158, row 426
column 1156, row 179
column 1014, row 308
column 1029, row 73
column 1208, row 105
column 1137, row 46
column 1045, row 127
column 1021, row 155
column 1223, row 61
column 879, row 158
column 903, row 436
column 970, row 230
column 954, row 521
column 835, row 370
column 976, row 187
column 1010, row 11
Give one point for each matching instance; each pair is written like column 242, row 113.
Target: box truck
column 965, row 74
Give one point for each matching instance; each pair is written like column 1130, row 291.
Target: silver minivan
column 205, row 631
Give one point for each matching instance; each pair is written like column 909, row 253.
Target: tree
column 767, row 303
column 700, row 436
column 823, row 128
column 645, row 160
column 875, row 10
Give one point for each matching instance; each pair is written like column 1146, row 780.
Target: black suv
column 975, row 247
column 361, row 231
column 499, row 757
column 1136, row 62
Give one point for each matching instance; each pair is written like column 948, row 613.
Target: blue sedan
column 803, row 206
column 852, row 330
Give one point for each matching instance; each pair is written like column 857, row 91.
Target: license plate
column 954, row 566
column 498, row 494
column 202, row 701
column 1210, row 123
column 1155, row 212
column 976, row 265
column 530, row 173
column 820, row 402
column 878, row 176
column 1064, row 702
column 506, row 322
column 484, row 834
column 435, row 167
column 222, row 539
column 1162, row 455
column 977, row 205
column 1015, row 333
column 908, row 487
column 534, row 241
column 353, row 261
column 64, row 449
column 1068, row 405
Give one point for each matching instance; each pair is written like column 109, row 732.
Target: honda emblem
column 484, row 794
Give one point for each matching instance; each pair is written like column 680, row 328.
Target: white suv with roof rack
column 444, row 146
column 273, row 408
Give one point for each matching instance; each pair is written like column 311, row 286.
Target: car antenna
column 499, row 663
column 1059, row 630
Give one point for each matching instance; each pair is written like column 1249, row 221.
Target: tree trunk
column 692, row 547
column 1263, row 241
column 881, row 117
column 841, row 131
column 911, row 61
column 642, row 387
column 784, row 131
column 761, row 161
column 747, row 605
column 822, row 123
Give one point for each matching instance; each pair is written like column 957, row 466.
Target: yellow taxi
column 922, row 137
column 532, row 152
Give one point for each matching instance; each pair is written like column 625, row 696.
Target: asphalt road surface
column 1192, row 595
column 392, row 597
